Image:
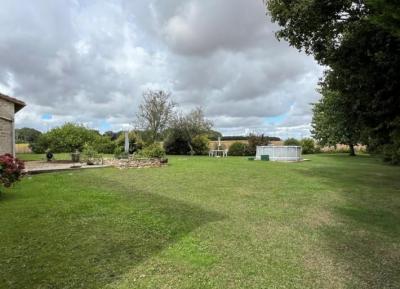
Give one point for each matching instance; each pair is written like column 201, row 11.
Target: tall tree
column 334, row 121
column 359, row 42
column 155, row 113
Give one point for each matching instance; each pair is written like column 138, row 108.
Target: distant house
column 8, row 107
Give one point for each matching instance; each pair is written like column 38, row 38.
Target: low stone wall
column 135, row 163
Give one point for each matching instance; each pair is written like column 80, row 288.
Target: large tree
column 155, row 113
column 359, row 42
column 334, row 121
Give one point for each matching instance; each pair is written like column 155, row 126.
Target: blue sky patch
column 278, row 119
column 47, row 116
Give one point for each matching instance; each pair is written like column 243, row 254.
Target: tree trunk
column 352, row 151
column 191, row 148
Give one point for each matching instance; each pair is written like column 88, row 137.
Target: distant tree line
column 214, row 138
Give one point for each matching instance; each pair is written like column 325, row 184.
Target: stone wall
column 6, row 126
column 135, row 163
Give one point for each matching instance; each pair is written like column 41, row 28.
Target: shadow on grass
column 364, row 236
column 75, row 239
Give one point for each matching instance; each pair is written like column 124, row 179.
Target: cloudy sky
column 89, row 61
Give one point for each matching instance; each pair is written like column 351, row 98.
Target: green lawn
column 42, row 157
column 332, row 222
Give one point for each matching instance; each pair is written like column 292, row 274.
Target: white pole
column 126, row 142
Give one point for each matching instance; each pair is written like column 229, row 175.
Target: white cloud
column 89, row 61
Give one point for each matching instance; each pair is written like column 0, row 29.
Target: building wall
column 6, row 126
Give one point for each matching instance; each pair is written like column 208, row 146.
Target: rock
column 136, row 163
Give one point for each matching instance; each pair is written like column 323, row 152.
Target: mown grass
column 332, row 222
column 42, row 157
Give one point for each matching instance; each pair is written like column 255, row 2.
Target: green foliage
column 176, row 144
column 90, row 154
column 334, row 120
column 254, row 141
column 66, row 138
column 104, row 144
column 152, row 151
column 183, row 131
column 391, row 154
column 291, row 142
column 308, row 146
column 135, row 141
column 238, row 149
column 26, row 135
column 214, row 135
column 119, row 153
column 200, row 144
column 360, row 42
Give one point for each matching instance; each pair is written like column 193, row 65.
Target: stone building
column 8, row 107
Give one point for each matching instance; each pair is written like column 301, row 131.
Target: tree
column 335, row 122
column 183, row 130
column 155, row 113
column 66, row 138
column 359, row 42
column 254, row 141
column 26, row 135
column 291, row 142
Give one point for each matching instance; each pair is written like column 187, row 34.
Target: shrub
column 104, row 145
column 176, row 146
column 238, row 149
column 10, row 169
column 200, row 145
column 152, row 151
column 307, row 146
column 254, row 141
column 391, row 154
column 90, row 155
column 135, row 142
column 291, row 142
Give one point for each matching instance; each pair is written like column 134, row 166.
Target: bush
column 90, row 155
column 200, row 145
column 10, row 169
column 391, row 154
column 152, row 151
column 104, row 145
column 307, row 146
column 254, row 141
column 291, row 142
column 238, row 149
column 176, row 144
column 135, row 142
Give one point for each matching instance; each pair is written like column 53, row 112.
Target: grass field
column 332, row 222
column 42, row 157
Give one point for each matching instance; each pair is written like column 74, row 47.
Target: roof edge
column 19, row 104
